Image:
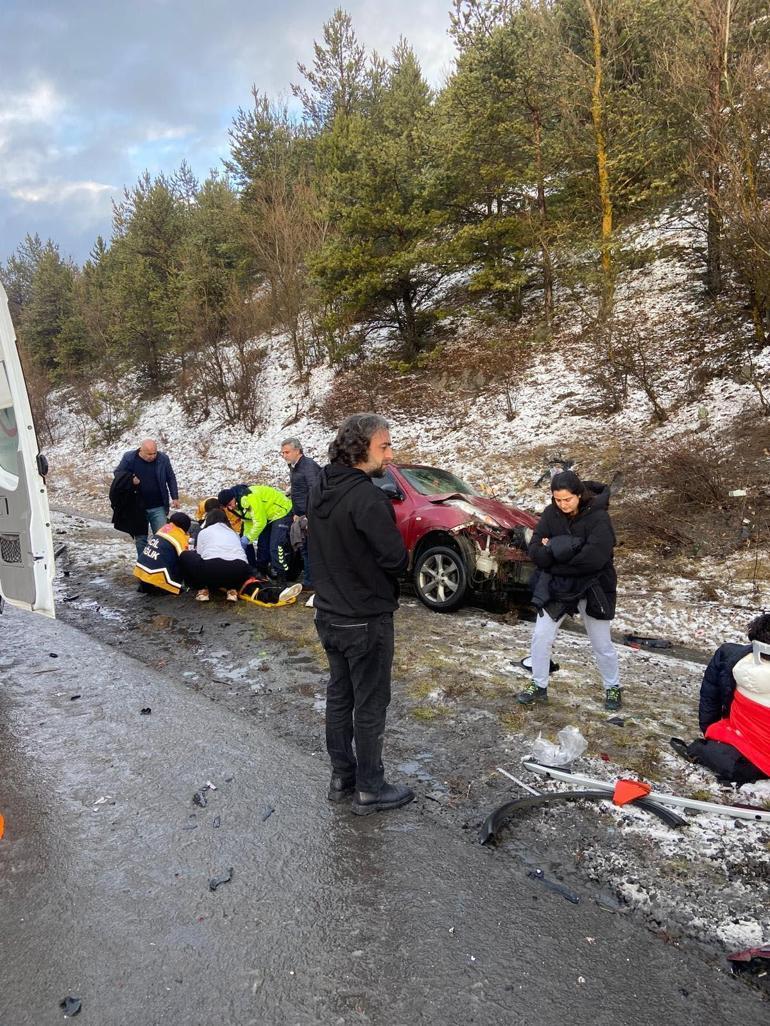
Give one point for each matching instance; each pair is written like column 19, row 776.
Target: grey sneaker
column 613, row 698
column 532, row 693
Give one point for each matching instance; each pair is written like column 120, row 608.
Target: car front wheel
column 440, row 579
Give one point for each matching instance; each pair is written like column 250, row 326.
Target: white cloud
column 39, row 104
column 165, row 133
column 55, row 192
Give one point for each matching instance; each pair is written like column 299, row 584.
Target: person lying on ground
column 734, row 710
column 157, row 565
column 573, row 546
column 267, row 519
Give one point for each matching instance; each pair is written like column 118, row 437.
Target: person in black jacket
column 572, row 546
column 716, row 697
column 304, row 473
column 357, row 553
column 154, row 477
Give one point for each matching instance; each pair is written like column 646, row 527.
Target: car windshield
column 430, row 481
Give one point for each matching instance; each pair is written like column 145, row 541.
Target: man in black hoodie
column 357, row 553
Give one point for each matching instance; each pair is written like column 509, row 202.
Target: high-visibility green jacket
column 260, row 506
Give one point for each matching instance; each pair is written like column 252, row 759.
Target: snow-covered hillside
column 472, row 434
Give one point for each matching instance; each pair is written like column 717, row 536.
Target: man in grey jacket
column 154, row 477
column 304, row 473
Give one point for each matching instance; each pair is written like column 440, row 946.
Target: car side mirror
column 390, row 488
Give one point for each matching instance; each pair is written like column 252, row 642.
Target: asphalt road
column 106, row 862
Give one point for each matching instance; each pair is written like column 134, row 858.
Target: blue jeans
column 157, row 517
column 307, row 580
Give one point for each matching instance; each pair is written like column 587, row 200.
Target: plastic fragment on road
column 70, row 1006
column 217, row 881
column 74, row 698
column 749, row 812
column 146, row 711
column 267, row 812
column 554, row 885
column 200, row 799
column 571, row 746
column 495, row 820
column 629, row 790
column 526, row 663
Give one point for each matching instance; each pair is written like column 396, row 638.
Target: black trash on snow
column 70, row 1005
column 640, row 641
column 217, row 881
column 554, row 885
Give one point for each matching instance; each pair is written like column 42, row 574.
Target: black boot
column 341, row 788
column 389, row 796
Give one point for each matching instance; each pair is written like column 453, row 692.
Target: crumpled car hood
column 506, row 516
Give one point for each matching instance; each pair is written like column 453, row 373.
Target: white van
column 26, row 545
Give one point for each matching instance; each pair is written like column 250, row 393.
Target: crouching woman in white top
column 220, row 562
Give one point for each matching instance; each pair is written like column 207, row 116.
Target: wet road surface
column 393, row 919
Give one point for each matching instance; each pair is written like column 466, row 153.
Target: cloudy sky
column 93, row 93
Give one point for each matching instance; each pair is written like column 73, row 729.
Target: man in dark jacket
column 357, row 553
column 154, row 477
column 304, row 473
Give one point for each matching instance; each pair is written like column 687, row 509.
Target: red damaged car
column 460, row 543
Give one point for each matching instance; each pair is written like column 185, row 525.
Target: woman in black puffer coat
column 572, row 547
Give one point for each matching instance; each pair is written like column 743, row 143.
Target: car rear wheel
column 440, row 579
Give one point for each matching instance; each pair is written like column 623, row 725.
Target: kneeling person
column 157, row 565
column 734, row 711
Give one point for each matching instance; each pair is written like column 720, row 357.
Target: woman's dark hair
column 759, row 629
column 216, row 516
column 568, row 481
column 351, row 445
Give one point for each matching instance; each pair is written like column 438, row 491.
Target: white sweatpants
column 598, row 631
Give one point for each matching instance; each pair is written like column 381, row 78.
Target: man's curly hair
column 354, row 435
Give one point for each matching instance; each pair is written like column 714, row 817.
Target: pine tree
column 377, row 262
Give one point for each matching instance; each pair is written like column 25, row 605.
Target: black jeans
column 725, row 760
column 198, row 572
column 360, row 654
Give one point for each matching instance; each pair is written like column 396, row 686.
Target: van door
column 26, row 545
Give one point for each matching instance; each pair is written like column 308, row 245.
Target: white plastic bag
column 571, row 746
